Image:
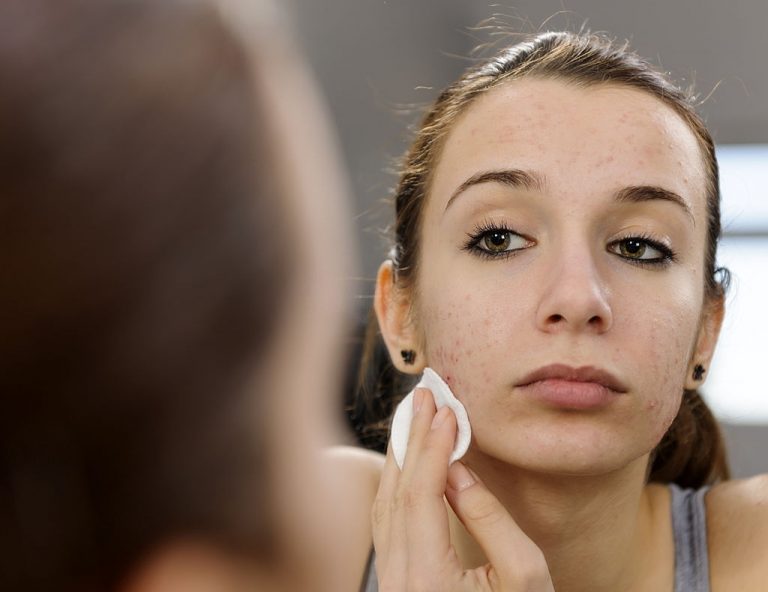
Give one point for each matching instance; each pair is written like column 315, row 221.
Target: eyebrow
column 531, row 180
column 642, row 193
column 511, row 177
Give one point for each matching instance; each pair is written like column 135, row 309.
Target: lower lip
column 569, row 394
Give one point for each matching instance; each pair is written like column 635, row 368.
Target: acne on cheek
column 668, row 367
column 442, row 360
column 660, row 414
column 460, row 352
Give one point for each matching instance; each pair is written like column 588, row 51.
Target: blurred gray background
column 376, row 60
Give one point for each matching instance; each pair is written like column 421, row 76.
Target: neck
column 607, row 522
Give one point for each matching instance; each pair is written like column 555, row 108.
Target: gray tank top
column 689, row 526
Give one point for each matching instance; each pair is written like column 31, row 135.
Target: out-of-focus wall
column 374, row 58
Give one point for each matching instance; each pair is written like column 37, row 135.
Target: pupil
column 634, row 247
column 498, row 239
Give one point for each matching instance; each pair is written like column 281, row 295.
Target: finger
column 514, row 556
column 423, row 411
column 393, row 564
column 390, row 538
column 390, row 480
column 427, row 529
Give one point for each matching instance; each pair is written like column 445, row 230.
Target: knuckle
column 484, row 512
column 397, row 502
column 412, row 498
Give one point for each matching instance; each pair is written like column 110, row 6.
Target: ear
column 709, row 331
column 393, row 306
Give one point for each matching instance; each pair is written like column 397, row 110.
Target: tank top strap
column 689, row 526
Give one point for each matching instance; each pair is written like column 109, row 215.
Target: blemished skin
column 564, row 268
column 566, row 295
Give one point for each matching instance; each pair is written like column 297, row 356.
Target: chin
column 581, row 451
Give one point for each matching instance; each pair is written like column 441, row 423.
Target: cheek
column 463, row 339
column 662, row 354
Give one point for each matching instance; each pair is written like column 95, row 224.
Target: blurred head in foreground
column 168, row 191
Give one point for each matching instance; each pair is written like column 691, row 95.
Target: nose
column 575, row 298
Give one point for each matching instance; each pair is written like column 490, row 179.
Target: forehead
column 600, row 137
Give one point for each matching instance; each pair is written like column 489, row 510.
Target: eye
column 642, row 250
column 495, row 241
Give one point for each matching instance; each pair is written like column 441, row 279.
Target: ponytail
column 692, row 452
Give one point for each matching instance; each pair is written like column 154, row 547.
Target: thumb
column 515, row 558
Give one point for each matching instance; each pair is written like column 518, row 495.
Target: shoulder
column 366, row 462
column 356, row 467
column 737, row 525
column 740, row 505
column 357, row 472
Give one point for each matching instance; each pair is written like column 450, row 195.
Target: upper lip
column 580, row 374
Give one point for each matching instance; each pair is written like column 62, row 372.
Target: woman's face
column 585, row 248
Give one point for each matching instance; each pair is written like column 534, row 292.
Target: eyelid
column 475, row 237
column 668, row 255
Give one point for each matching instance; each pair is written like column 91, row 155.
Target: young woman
column 171, row 330
column 554, row 260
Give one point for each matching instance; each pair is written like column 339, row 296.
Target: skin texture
column 412, row 557
column 567, row 298
column 572, row 480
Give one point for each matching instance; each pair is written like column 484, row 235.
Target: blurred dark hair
column 141, row 276
column 692, row 452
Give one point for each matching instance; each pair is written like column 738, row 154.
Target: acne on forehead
column 549, row 123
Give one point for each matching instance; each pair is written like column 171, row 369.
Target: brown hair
column 141, row 281
column 692, row 452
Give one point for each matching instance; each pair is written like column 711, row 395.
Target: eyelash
column 481, row 231
column 667, row 254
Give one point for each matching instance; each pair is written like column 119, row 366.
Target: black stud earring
column 698, row 372
column 409, row 356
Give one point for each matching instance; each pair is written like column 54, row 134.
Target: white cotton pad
column 401, row 422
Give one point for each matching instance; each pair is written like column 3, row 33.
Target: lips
column 585, row 374
column 563, row 387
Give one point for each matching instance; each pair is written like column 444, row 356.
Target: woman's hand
column 410, row 520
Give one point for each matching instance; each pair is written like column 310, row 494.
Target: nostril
column 596, row 320
column 556, row 318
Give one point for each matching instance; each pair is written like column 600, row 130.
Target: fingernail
column 418, row 399
column 459, row 477
column 440, row 417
